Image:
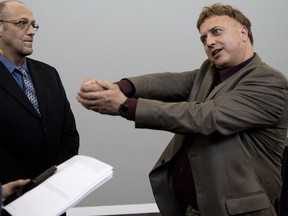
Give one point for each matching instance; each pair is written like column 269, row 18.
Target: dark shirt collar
column 226, row 73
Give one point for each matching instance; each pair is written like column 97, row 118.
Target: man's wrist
column 123, row 109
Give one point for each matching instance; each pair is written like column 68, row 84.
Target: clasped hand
column 9, row 188
column 101, row 96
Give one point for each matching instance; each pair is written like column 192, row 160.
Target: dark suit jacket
column 235, row 134
column 29, row 144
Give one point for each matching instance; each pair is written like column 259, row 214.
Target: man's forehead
column 219, row 21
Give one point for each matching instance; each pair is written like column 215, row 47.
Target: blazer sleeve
column 70, row 135
column 256, row 98
column 167, row 86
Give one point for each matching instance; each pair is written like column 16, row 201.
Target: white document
column 72, row 182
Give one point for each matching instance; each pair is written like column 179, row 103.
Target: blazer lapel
column 10, row 85
column 216, row 90
column 206, row 86
column 203, row 82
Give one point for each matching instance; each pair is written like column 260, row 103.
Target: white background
column 112, row 39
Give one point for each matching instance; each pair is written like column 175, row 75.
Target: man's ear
column 244, row 33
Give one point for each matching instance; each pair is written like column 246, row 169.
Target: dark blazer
column 235, row 133
column 29, row 144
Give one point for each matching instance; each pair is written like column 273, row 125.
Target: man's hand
column 101, row 96
column 9, row 188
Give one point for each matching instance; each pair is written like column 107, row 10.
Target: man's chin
column 220, row 63
column 27, row 52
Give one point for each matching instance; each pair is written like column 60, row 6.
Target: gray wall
column 111, row 39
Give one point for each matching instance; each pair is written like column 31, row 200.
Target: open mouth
column 215, row 52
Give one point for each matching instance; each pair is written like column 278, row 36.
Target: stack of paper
column 72, row 182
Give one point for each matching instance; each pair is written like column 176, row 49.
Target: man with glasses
column 37, row 125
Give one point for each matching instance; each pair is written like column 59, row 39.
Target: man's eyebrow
column 210, row 30
column 215, row 27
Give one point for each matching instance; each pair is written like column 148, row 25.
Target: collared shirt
column 11, row 67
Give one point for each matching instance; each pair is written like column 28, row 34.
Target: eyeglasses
column 22, row 24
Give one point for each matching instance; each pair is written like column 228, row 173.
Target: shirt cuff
column 126, row 87
column 132, row 109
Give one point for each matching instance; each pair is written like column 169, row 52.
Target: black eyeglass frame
column 22, row 24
